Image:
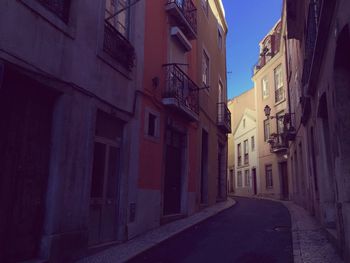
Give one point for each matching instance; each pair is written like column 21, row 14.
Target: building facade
column 270, row 85
column 69, row 78
column 113, row 121
column 237, row 105
column 319, row 85
column 183, row 152
column 247, row 181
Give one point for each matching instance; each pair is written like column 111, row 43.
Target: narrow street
column 251, row 231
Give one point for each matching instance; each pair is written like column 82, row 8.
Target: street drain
column 282, row 228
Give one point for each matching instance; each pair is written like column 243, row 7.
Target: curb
column 152, row 238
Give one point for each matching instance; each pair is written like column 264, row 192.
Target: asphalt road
column 252, row 231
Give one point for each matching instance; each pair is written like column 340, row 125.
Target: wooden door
column 254, row 182
column 104, row 193
column 284, row 180
column 173, row 174
column 25, row 132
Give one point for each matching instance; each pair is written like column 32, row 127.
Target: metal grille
column 59, row 7
column 310, row 41
column 181, row 87
column 224, row 115
column 189, row 11
column 118, row 47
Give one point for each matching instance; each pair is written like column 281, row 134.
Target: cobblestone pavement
column 125, row 251
column 310, row 244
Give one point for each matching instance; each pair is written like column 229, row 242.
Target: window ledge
column 105, row 57
column 280, row 102
column 50, row 17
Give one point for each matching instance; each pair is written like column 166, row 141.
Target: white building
column 246, row 163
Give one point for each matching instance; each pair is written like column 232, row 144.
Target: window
column 239, row 156
column 243, row 123
column 265, row 88
column 219, row 39
column 239, row 179
column 279, row 123
column 279, row 91
column 268, row 174
column 246, row 156
column 121, row 20
column 205, row 5
column 205, row 69
column 151, row 124
column 59, row 8
column 253, row 143
column 247, row 178
column 266, row 130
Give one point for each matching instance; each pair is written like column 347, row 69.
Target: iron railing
column 189, row 11
column 179, row 86
column 239, row 161
column 278, row 142
column 310, row 42
column 224, row 116
column 246, row 158
column 118, row 47
column 58, row 7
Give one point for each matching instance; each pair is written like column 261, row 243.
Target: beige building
column 270, row 87
column 214, row 116
column 237, row 106
column 246, row 181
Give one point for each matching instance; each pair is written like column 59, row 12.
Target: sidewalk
column 128, row 250
column 310, row 244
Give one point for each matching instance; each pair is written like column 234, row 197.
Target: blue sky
column 248, row 22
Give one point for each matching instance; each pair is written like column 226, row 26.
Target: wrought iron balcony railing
column 239, row 161
column 278, row 143
column 310, row 42
column 186, row 14
column 180, row 91
column 58, row 7
column 118, row 47
column 246, row 158
column 224, row 117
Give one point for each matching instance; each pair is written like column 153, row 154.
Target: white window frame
column 265, row 87
column 156, row 136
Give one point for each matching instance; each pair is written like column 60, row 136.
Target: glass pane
column 113, row 164
column 98, row 170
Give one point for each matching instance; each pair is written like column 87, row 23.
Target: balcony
column 181, row 93
column 118, row 47
column 246, row 158
column 224, row 117
column 58, row 7
column 184, row 13
column 278, row 143
column 239, row 161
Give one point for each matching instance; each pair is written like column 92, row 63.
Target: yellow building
column 214, row 116
column 270, row 83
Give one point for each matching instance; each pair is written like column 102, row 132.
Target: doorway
column 26, row 110
column 284, row 180
column 173, row 172
column 255, row 183
column 204, row 168
column 103, row 217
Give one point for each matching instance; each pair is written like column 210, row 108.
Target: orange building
column 182, row 142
